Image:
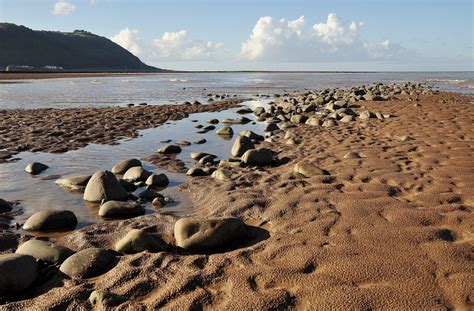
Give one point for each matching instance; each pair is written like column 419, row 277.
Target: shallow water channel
column 36, row 193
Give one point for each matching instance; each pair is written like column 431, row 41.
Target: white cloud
column 128, row 39
column 335, row 31
column 177, row 46
column 63, row 8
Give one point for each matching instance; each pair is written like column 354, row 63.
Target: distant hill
column 23, row 49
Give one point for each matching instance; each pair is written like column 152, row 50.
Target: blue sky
column 269, row 35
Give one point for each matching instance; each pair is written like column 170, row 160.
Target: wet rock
column 259, row 110
column 196, row 171
column 222, row 174
column 225, row 131
column 150, row 194
column 17, row 272
column 125, row 165
column 45, row 251
column 198, row 155
column 213, row 121
column 308, row 169
column 5, row 206
column 271, row 127
column 74, row 182
column 183, row 143
column 200, row 141
column 119, row 209
column 207, row 234
column 136, row 241
column 241, row 145
column 103, row 185
column 258, row 157
column 136, row 173
column 50, row 220
column 87, row 263
column 207, row 159
column 251, row 135
column 244, row 110
column 35, row 168
column 160, row 180
column 128, row 186
column 170, row 149
column 105, row 299
column 210, row 128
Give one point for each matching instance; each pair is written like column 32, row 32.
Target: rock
column 127, row 185
column 206, row 159
column 244, row 110
column 35, row 168
column 364, row 115
column 351, row 155
column 160, row 180
column 51, row 220
column 241, row 145
column 405, row 138
column 136, row 173
column 329, row 123
column 17, row 272
column 206, row 234
column 169, row 149
column 259, row 110
column 136, row 241
column 118, row 209
column 213, row 121
column 308, row 169
column 45, row 251
column 200, row 141
column 103, row 185
column 313, row 121
column 196, row 171
column 298, row 118
column 225, row 131
column 222, row 174
column 198, row 155
column 347, row 119
column 251, row 135
column 183, row 143
column 258, row 157
column 123, row 166
column 87, row 263
column 210, row 128
column 106, row 299
column 271, row 127
column 5, row 206
column 74, row 182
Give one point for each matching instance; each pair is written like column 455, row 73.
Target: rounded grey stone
column 50, row 220
column 87, row 263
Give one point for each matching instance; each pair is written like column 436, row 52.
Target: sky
column 334, row 35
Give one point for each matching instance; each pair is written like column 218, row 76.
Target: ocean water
column 179, row 87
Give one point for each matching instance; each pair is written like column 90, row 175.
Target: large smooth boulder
column 170, row 149
column 159, row 180
column 87, row 263
column 50, row 220
column 308, row 169
column 136, row 241
column 119, row 209
column 45, row 251
column 241, row 145
column 17, row 272
column 123, row 166
column 74, row 182
column 103, row 185
column 258, row 157
column 5, row 206
column 207, row 234
column 136, row 173
column 35, row 168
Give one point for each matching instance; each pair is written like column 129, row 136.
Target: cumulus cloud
column 177, row 46
column 63, row 8
column 128, row 39
column 333, row 40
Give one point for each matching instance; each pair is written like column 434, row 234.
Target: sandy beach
column 375, row 213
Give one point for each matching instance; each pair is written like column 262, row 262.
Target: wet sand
column 59, row 75
column 392, row 229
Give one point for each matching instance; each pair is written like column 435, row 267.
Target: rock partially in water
column 170, row 149
column 160, row 180
column 150, row 194
column 35, row 168
column 74, row 182
column 241, row 145
column 198, row 155
column 183, row 143
column 17, row 272
column 50, row 220
column 251, row 135
column 196, row 171
column 225, row 131
column 136, row 173
column 258, row 157
column 103, row 185
column 45, row 251
column 123, row 166
column 105, row 299
column 87, row 263
column 136, row 241
column 5, row 206
column 119, row 209
column 207, row 234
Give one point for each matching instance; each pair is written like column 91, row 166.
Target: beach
column 365, row 202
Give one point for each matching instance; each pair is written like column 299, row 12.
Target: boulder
column 308, row 169
column 222, row 174
column 5, row 206
column 196, row 171
column 136, row 241
column 347, row 119
column 251, row 135
column 119, row 209
column 271, row 127
column 51, row 220
column 74, row 182
column 241, row 145
column 150, row 194
column 258, row 157
column 207, row 234
column 45, row 251
column 105, row 300
column 17, row 272
column 170, row 149
column 225, row 131
column 136, row 173
column 313, row 121
column 298, row 118
column 87, row 263
column 103, row 185
column 35, row 168
column 125, row 165
column 206, row 159
column 160, row 180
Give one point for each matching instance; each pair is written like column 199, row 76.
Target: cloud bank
column 63, row 8
column 128, row 39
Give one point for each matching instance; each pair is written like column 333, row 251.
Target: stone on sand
column 196, row 171
column 258, row 157
column 112, row 209
column 74, row 182
column 123, row 166
column 136, row 173
column 87, row 263
column 50, row 220
column 308, row 169
column 45, row 251
column 103, row 185
column 207, row 234
column 17, row 272
column 5, row 206
column 251, row 135
column 136, row 241
column 241, row 145
column 170, row 149
column 35, row 168
column 157, row 180
column 222, row 174
column 351, row 155
column 105, row 299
